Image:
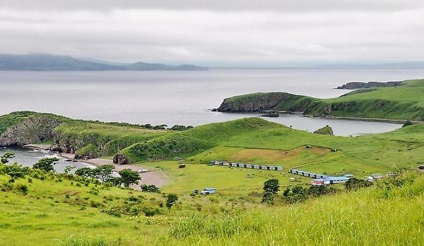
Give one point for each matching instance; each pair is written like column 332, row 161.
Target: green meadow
column 67, row 210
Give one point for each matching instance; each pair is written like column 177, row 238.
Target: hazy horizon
column 217, row 33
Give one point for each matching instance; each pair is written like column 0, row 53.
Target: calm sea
column 28, row 157
column 181, row 97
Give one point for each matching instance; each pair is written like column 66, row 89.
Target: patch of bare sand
column 37, row 146
column 154, row 177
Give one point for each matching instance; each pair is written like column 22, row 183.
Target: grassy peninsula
column 403, row 102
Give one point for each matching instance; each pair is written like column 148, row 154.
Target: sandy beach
column 37, row 146
column 155, row 177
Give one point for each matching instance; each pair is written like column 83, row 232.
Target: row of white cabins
column 317, row 179
column 248, row 166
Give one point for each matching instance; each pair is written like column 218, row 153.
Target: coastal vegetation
column 402, row 102
column 76, row 210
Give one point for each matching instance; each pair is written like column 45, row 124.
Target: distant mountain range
column 397, row 65
column 42, row 62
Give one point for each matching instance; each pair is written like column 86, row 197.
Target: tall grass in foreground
column 98, row 240
column 374, row 216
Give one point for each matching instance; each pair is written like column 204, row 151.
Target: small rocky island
column 271, row 114
column 360, row 85
column 326, row 130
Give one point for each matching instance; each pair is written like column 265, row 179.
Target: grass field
column 71, row 214
column 54, row 211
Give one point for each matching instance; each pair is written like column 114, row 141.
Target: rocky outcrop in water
column 121, row 159
column 272, row 114
column 33, row 130
column 360, row 85
column 326, row 130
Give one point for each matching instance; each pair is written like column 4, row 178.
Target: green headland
column 402, row 102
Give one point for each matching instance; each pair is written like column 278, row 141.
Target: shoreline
column 392, row 121
column 37, row 146
column 155, row 177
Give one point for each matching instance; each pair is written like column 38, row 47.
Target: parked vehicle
column 207, row 191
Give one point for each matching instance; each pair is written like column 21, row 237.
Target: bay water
column 182, row 97
column 177, row 97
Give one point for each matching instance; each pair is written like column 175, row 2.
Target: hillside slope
column 404, row 102
column 188, row 143
column 87, row 139
column 78, row 211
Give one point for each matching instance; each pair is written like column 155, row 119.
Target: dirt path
column 155, row 177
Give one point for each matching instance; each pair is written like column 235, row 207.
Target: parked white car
column 207, row 191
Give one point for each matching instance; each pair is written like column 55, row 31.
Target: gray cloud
column 233, row 5
column 216, row 32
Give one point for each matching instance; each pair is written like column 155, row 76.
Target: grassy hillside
column 76, row 211
column 368, row 217
column 258, row 141
column 405, row 102
column 250, row 140
column 84, row 138
column 196, row 140
column 14, row 118
column 107, row 138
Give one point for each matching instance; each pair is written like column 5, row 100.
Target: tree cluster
column 46, row 164
column 354, row 184
column 105, row 174
column 180, row 128
column 171, row 199
column 271, row 188
column 299, row 194
column 150, row 188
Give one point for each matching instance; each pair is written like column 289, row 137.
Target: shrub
column 295, row 195
column 407, row 123
column 114, row 211
column 133, row 199
column 213, row 199
column 22, row 188
column 149, row 188
column 95, row 204
column 149, row 211
column 354, row 184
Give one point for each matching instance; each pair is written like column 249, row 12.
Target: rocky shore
column 360, row 85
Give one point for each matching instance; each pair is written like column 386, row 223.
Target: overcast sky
column 217, row 32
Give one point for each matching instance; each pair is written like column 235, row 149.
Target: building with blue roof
column 330, row 180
